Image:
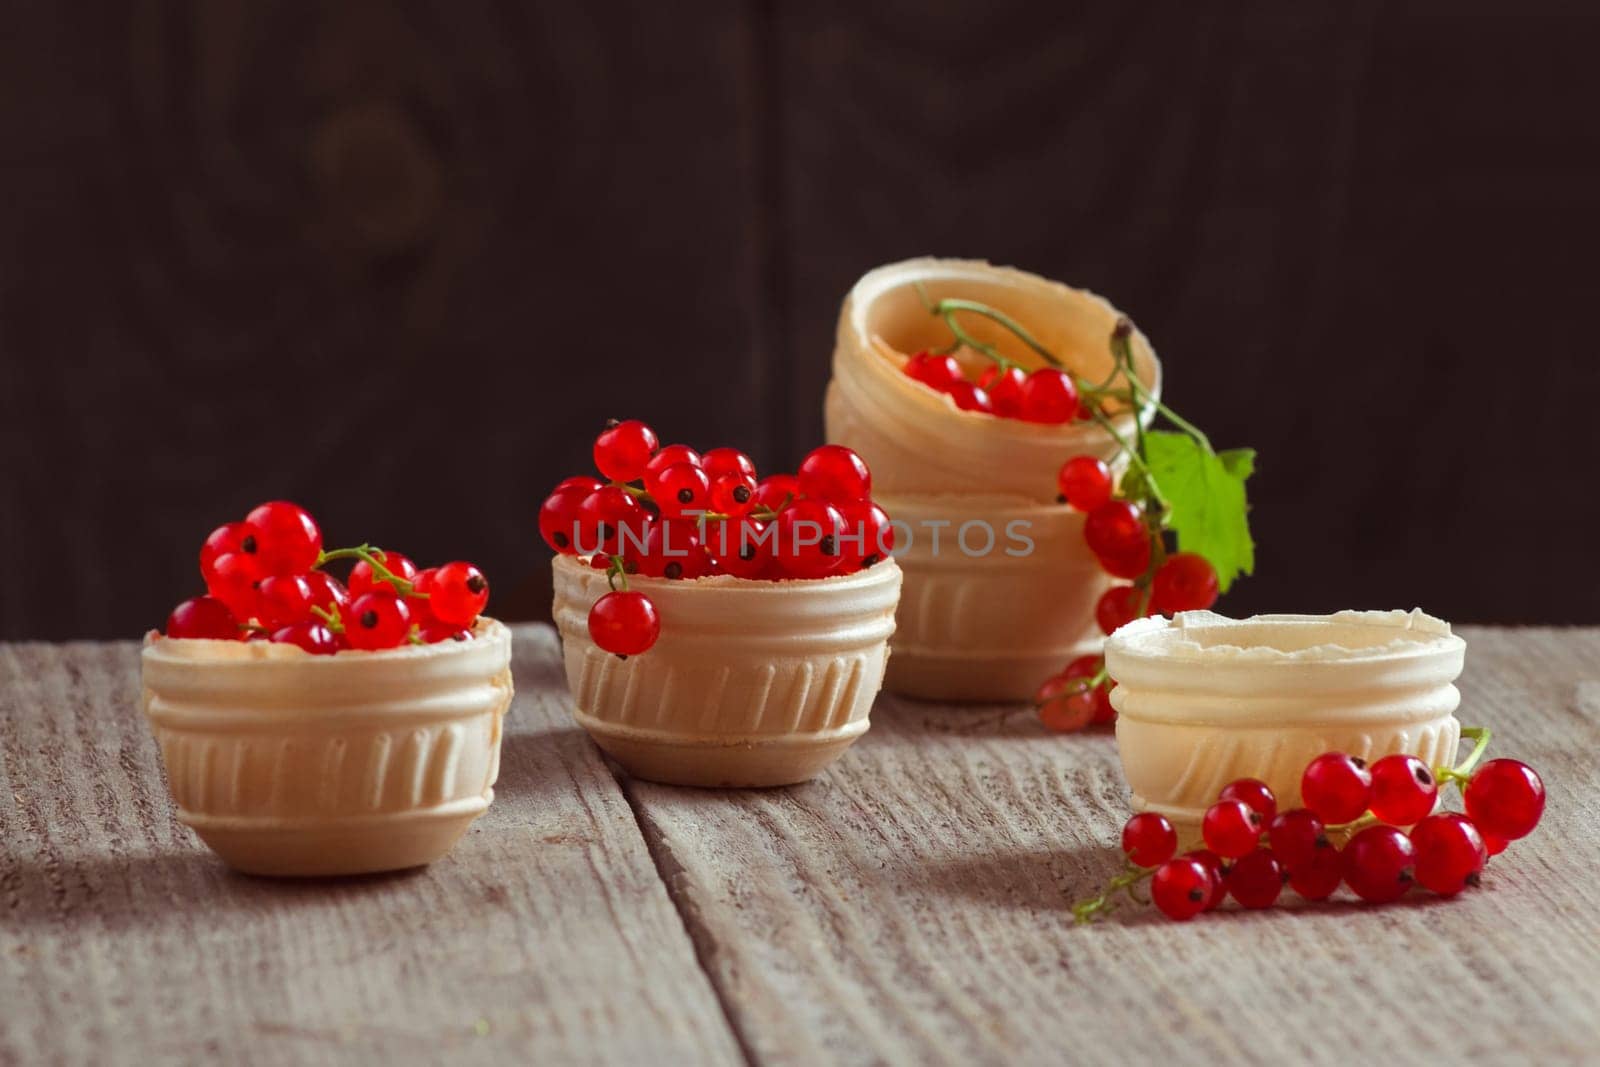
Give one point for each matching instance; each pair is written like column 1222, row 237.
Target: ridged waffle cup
column 751, row 683
column 286, row 763
column 1203, row 700
column 984, row 627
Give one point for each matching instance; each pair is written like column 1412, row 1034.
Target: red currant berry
column 234, row 576
column 1296, row 837
column 868, row 535
column 777, row 491
column 203, row 617
column 1117, row 607
column 578, row 481
column 1492, row 844
column 733, row 494
column 1320, row 876
column 1182, row 888
column 679, row 489
column 558, row 518
column 232, row 537
column 1087, row 667
column 1218, row 868
column 310, row 635
column 741, row 547
column 1130, row 566
column 1256, row 879
column 1149, row 840
column 287, row 538
column 1450, row 852
column 1085, row 482
column 721, row 462
column 1403, row 789
column 1231, row 829
column 808, row 539
column 1116, row 529
column 624, row 623
column 363, row 579
column 1065, row 704
column 457, row 593
column 1004, row 389
column 1186, row 581
column 375, row 620
column 672, row 549
column 835, row 475
column 1049, row 396
column 607, row 518
column 432, row 633
column 327, row 592
column 1505, row 798
column 670, row 455
column 283, row 599
column 623, row 450
column 1379, row 864
column 968, row 397
column 1254, row 794
column 1336, row 787
column 937, row 372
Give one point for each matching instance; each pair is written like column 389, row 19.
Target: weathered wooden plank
column 545, row 937
column 911, row 906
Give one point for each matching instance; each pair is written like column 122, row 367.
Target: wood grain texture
column 546, row 936
column 911, row 906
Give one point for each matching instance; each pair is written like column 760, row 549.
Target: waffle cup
column 751, row 683
column 1203, row 700
column 287, row 763
column 985, row 627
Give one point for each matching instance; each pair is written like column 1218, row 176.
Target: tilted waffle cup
column 976, row 626
column 751, row 683
column 1203, row 700
column 287, row 763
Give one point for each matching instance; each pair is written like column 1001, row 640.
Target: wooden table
column 909, row 906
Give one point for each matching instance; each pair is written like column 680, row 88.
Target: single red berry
column 1257, row 879
column 283, row 599
column 740, row 547
column 457, row 593
column 1254, row 794
column 1086, row 668
column 376, row 620
column 1065, row 704
column 1085, row 482
column 1336, row 787
column 1379, row 864
column 610, row 519
column 433, row 632
column 808, row 539
column 868, row 535
column 624, row 623
column 1117, row 607
column 1296, row 836
column 327, row 592
column 230, row 537
column 310, row 635
column 733, row 494
column 937, row 372
column 1129, row 565
column 679, row 489
column 1318, row 877
column 1049, row 396
column 1231, row 829
column 835, row 475
column 578, row 481
column 1185, row 581
column 1182, row 888
column 203, row 617
column 623, row 450
column 558, row 518
column 672, row 549
column 420, row 602
column 234, row 576
column 287, row 538
column 1116, row 529
column 1450, row 852
column 363, row 579
column 721, row 462
column 1403, row 789
column 1218, row 868
column 669, row 455
column 1505, row 798
column 1004, row 389
column 1149, row 840
column 777, row 491
column 968, row 397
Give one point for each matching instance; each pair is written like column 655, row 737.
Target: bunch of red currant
column 265, row 581
column 1252, row 850
column 670, row 512
column 1046, row 395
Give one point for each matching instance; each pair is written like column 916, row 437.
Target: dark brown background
column 398, row 262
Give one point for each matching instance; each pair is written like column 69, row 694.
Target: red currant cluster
column 1005, row 390
column 670, row 512
column 1252, row 850
column 265, row 581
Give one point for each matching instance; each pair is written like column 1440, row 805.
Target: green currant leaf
column 1205, row 497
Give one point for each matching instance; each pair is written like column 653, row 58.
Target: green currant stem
column 616, row 572
column 1086, row 911
column 330, row 618
column 948, row 307
column 368, row 554
column 1461, row 774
